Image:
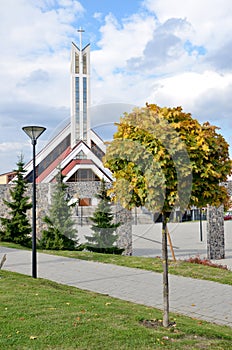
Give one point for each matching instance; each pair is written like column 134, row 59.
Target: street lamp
column 34, row 133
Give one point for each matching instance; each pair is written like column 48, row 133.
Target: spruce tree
column 60, row 233
column 16, row 227
column 104, row 238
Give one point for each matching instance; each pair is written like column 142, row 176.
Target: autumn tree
column 16, row 227
column 162, row 158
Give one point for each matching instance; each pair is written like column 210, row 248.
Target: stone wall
column 228, row 185
column 215, row 233
column 76, row 190
column 215, row 229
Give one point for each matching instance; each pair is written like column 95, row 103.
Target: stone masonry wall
column 215, row 233
column 77, row 190
column 215, row 229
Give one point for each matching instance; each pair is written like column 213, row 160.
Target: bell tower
column 80, row 93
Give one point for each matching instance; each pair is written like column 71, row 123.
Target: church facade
column 77, row 150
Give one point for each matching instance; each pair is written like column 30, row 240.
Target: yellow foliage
column 166, row 149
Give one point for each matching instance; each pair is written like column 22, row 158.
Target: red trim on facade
column 53, row 165
column 74, row 162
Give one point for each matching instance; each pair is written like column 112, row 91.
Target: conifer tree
column 60, row 233
column 16, row 227
column 104, row 237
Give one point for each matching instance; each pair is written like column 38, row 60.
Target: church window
column 84, row 64
column 81, row 155
column 84, row 175
column 76, row 63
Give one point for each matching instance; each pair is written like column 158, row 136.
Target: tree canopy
column 162, row 157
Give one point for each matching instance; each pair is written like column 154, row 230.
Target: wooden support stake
column 171, row 246
column 2, row 261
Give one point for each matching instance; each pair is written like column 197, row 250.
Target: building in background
column 6, row 177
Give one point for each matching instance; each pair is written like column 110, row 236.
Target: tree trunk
column 165, row 272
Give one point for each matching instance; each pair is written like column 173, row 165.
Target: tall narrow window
column 77, row 105
column 76, row 63
column 84, row 64
column 85, row 108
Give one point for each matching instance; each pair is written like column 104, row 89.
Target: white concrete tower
column 80, row 93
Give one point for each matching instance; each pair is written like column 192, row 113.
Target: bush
column 198, row 260
column 107, row 250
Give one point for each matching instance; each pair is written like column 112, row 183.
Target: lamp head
column 33, row 132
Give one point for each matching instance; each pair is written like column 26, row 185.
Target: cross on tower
column 80, row 31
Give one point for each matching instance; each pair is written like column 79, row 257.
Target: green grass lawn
column 179, row 267
column 40, row 314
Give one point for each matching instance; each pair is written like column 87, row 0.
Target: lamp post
column 34, row 133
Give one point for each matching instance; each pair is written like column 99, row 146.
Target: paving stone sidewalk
column 205, row 300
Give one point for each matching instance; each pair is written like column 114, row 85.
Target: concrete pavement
column 205, row 300
column 186, row 239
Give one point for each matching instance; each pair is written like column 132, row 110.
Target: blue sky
column 120, row 9
column 141, row 51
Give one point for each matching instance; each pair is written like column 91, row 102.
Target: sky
column 172, row 53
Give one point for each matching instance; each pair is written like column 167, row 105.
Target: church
column 77, row 150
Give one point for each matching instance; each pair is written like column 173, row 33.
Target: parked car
column 228, row 216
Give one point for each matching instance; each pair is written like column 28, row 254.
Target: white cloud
column 98, row 16
column 116, row 44
column 211, row 20
column 189, row 86
column 11, row 146
column 166, row 52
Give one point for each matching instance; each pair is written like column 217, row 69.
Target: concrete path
column 205, row 300
column 146, row 240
